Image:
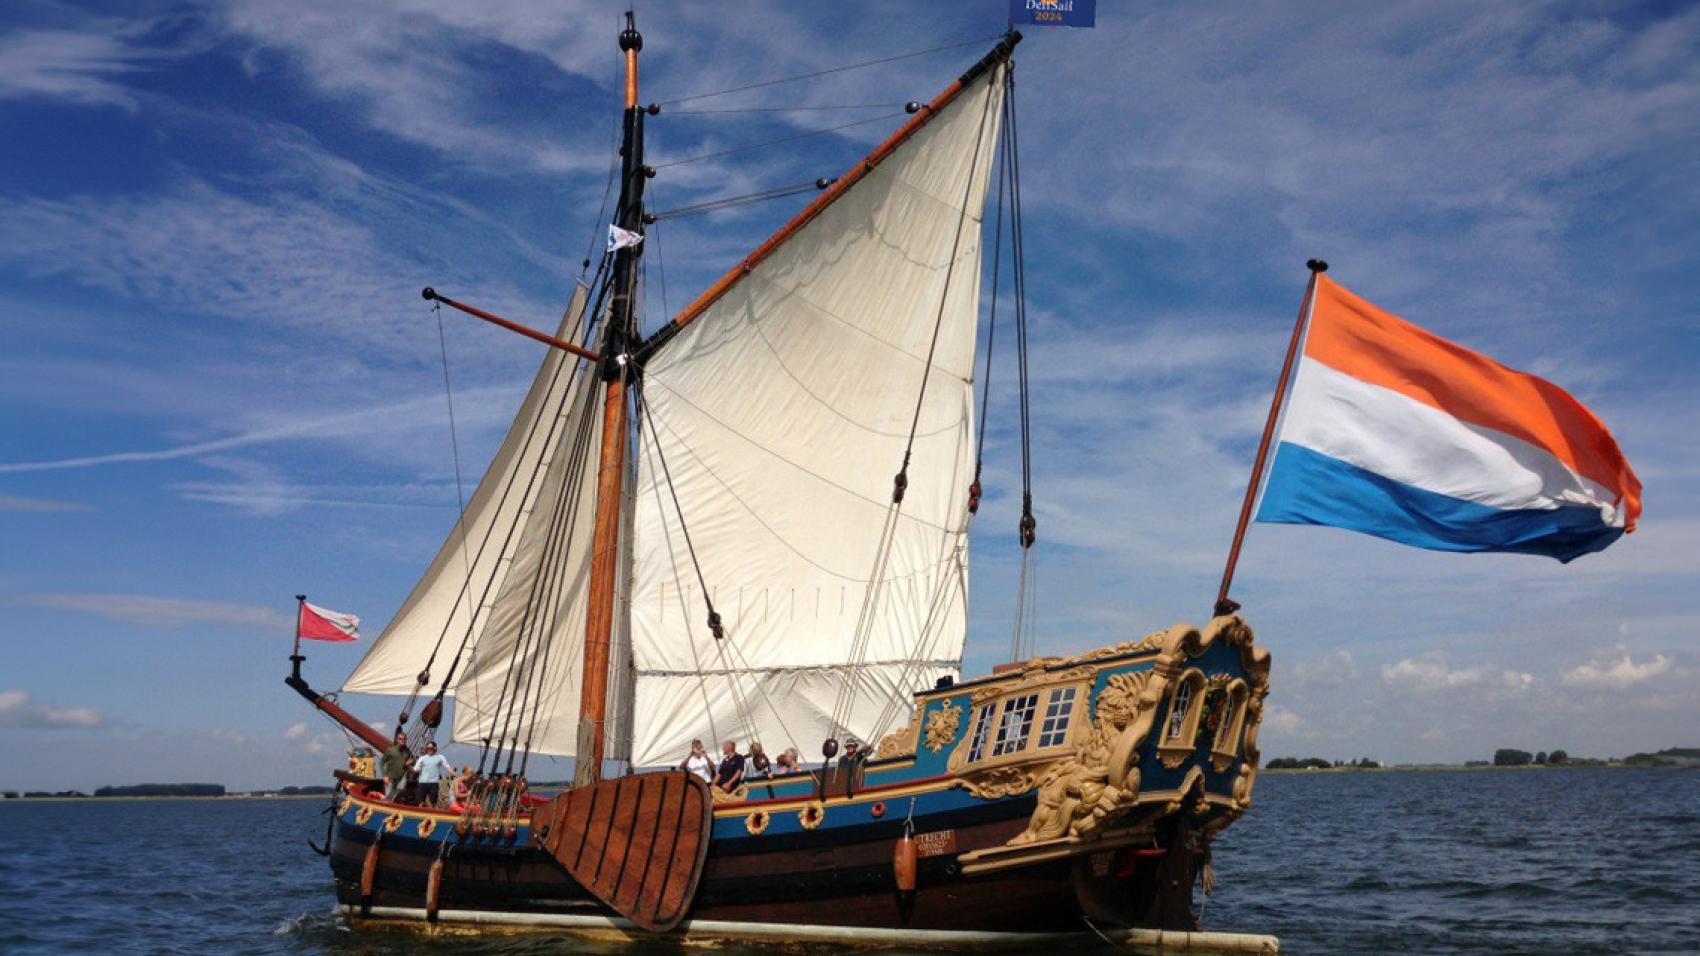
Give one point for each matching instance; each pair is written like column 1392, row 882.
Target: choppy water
column 1552, row 861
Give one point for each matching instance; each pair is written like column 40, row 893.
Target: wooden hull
column 835, row 879
column 1103, row 830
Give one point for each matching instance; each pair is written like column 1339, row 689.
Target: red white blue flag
column 1393, row 431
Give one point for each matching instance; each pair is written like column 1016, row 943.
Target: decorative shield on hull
column 636, row 843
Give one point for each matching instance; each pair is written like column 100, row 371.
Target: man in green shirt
column 393, row 765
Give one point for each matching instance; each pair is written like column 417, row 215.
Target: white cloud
column 65, row 65
column 284, row 259
column 295, row 732
column 151, row 611
column 1282, row 719
column 1430, row 672
column 1621, row 672
column 228, row 737
column 364, row 422
column 18, row 713
column 39, row 505
column 1517, row 680
column 1338, row 669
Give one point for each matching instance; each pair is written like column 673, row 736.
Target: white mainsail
column 782, row 412
column 453, row 602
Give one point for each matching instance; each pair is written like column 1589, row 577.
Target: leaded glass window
column 1057, row 713
column 982, row 728
column 1016, row 724
column 1178, row 712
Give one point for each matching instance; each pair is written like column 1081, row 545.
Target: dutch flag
column 1393, row 431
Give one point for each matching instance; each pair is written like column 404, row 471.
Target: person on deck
column 854, row 755
column 699, row 762
column 787, row 763
column 731, row 772
column 393, row 764
column 434, row 771
column 760, row 767
column 463, row 788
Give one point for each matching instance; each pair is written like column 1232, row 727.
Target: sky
column 219, row 386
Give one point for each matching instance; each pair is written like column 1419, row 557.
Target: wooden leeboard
column 636, row 843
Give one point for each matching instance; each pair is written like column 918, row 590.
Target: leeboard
column 636, row 843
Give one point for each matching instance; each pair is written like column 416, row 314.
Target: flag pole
column 296, row 658
column 1225, row 605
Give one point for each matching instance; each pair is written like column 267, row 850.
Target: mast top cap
column 1316, row 265
column 630, row 38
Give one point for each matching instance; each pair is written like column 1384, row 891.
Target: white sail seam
column 649, row 377
column 795, row 668
column 803, row 386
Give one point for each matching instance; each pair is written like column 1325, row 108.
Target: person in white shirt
column 434, row 769
column 699, row 762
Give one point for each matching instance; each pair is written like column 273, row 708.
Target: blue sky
column 218, row 384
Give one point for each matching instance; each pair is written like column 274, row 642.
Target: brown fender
column 369, row 873
column 433, row 889
column 903, row 863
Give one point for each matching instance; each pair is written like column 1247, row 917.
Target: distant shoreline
column 228, row 796
column 1426, row 768
column 1281, row 771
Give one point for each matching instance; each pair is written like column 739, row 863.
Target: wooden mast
column 622, row 330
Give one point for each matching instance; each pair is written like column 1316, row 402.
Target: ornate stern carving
column 1002, row 781
column 898, row 743
column 942, row 725
column 1079, row 796
column 737, row 795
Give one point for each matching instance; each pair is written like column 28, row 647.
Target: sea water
column 1526, row 861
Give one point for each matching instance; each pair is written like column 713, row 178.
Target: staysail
column 507, row 583
column 781, row 412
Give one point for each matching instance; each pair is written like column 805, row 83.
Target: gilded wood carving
column 942, row 725
column 899, row 743
column 1077, row 796
column 1080, row 795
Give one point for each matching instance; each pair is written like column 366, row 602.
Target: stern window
column 1057, row 713
column 982, row 728
column 1017, row 723
column 1178, row 712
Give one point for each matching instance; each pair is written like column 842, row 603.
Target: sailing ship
column 696, row 533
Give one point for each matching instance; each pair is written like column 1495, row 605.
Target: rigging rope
column 714, row 625
column 974, row 489
column 660, row 266
column 788, row 109
column 541, row 606
column 828, row 72
column 584, row 323
column 571, row 491
column 723, row 644
column 460, row 525
column 714, row 205
column 1028, row 526
column 607, row 190
column 775, row 142
column 865, row 621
